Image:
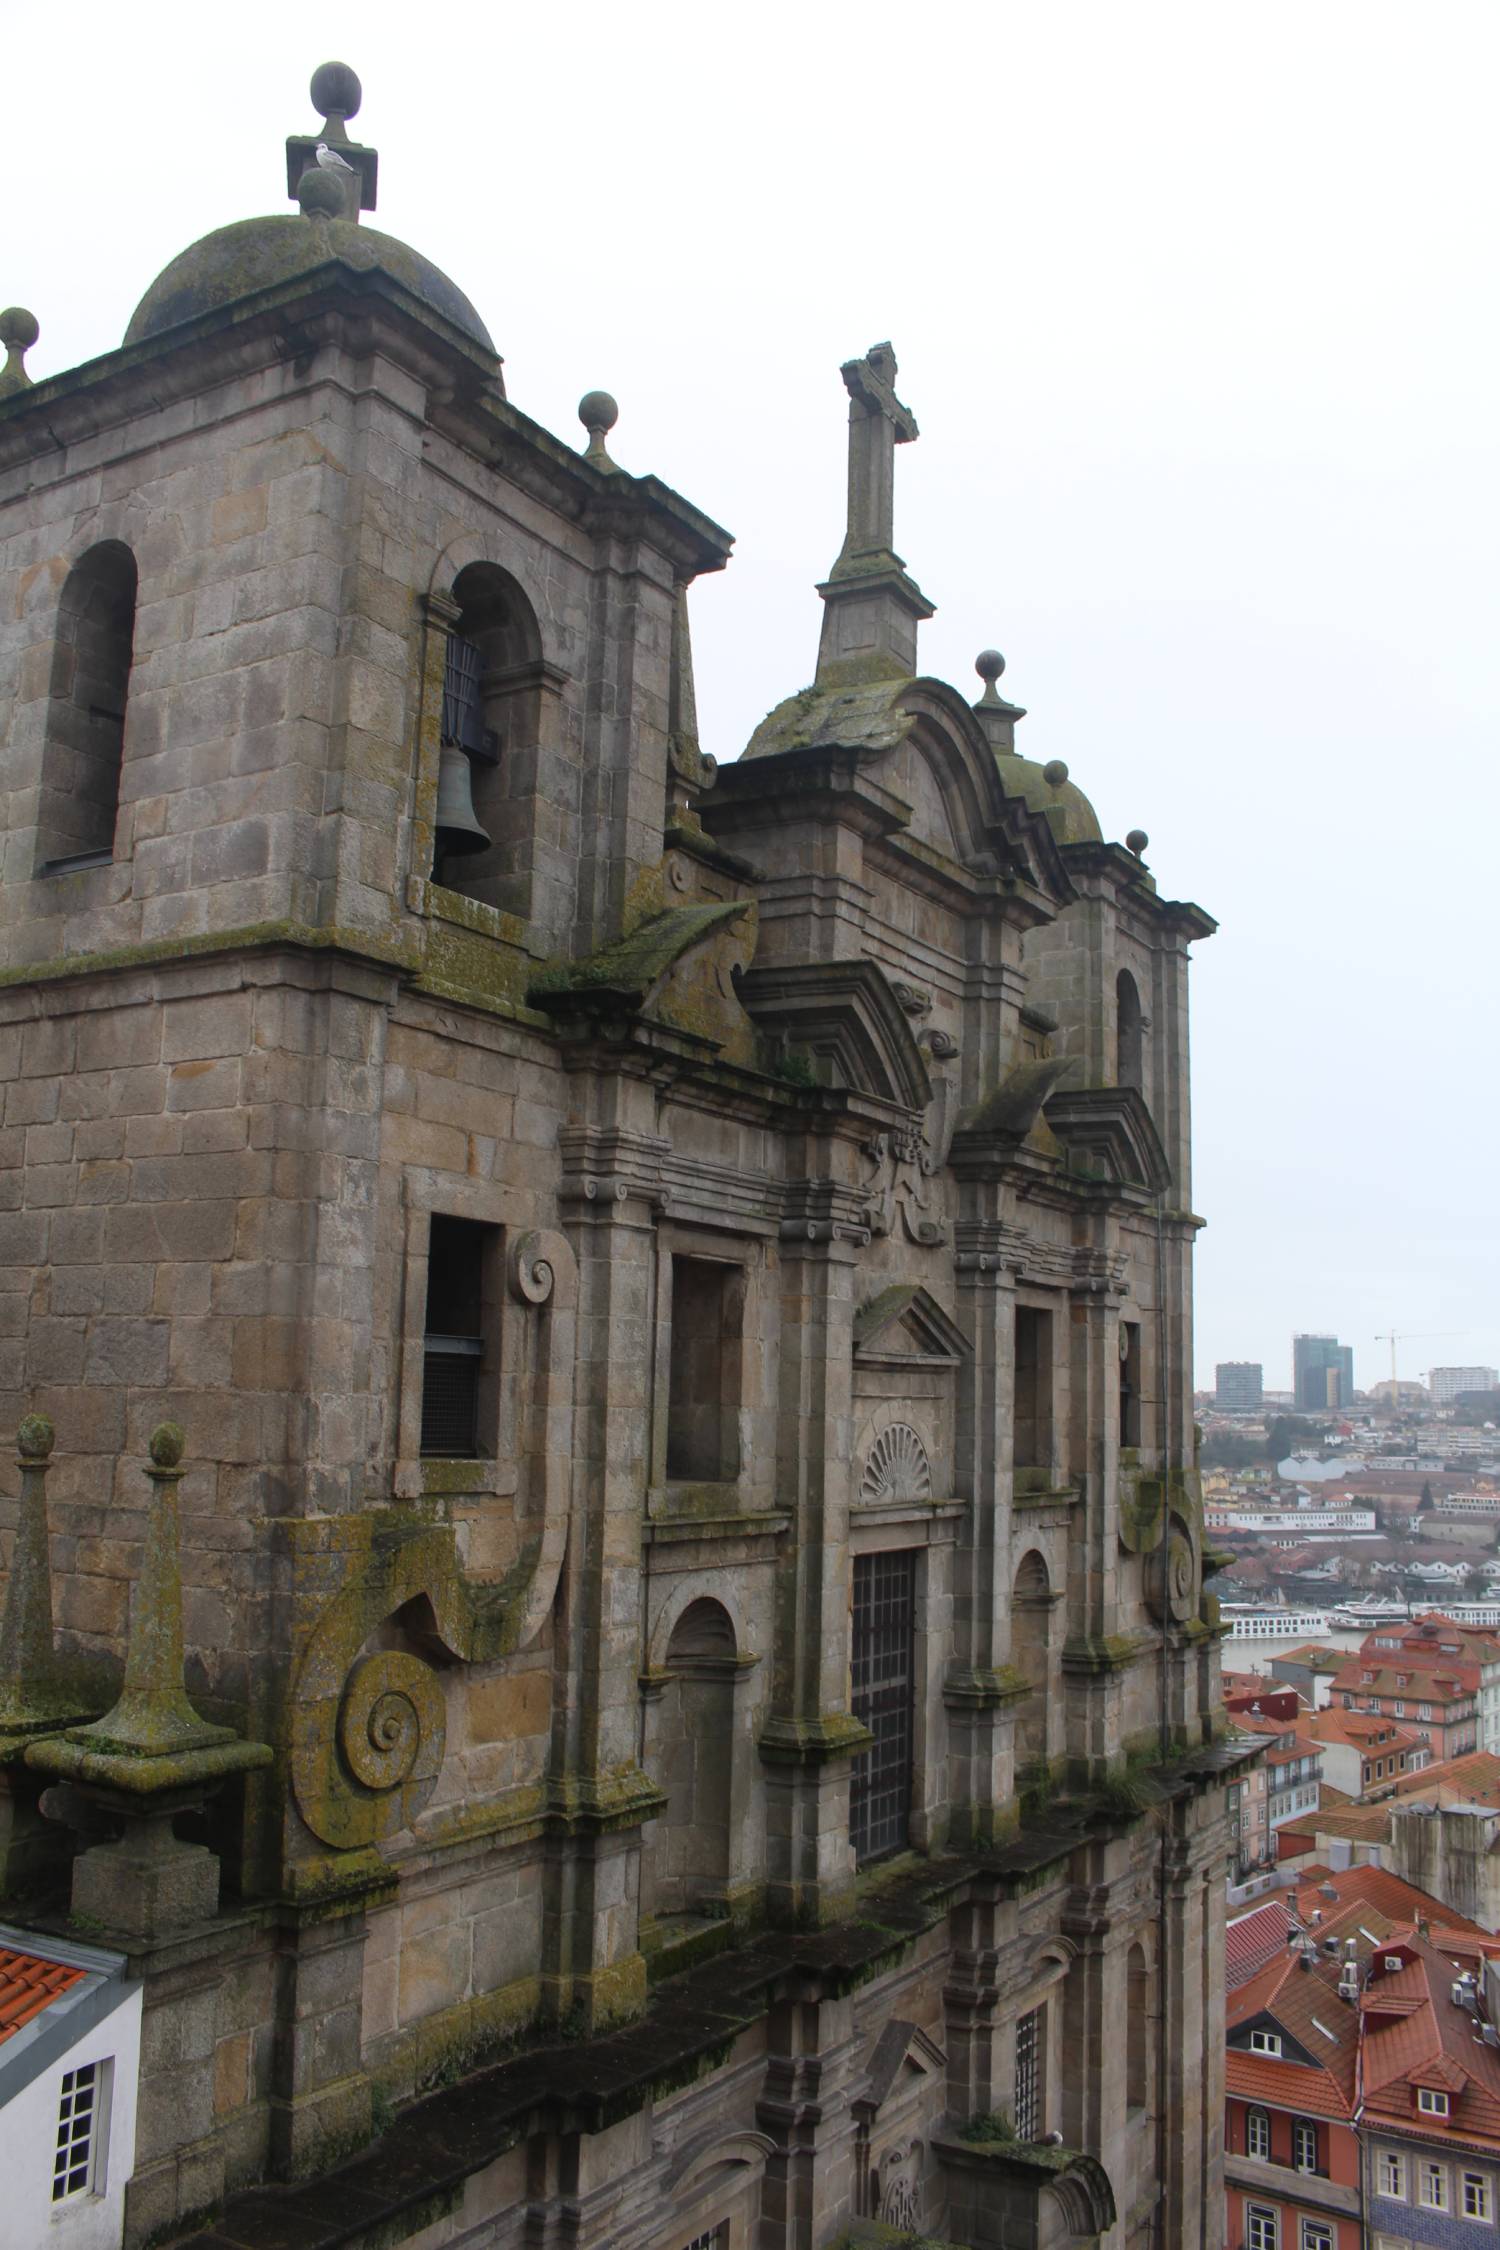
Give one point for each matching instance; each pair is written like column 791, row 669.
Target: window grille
column 717, row 2238
column 880, row 1784
column 1262, row 2227
column 1029, row 2075
column 77, row 2122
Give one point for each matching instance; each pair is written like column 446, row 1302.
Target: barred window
column 716, row 2238
column 883, row 1686
column 77, row 2164
column 1029, row 2075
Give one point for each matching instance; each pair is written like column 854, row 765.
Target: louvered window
column 456, row 1350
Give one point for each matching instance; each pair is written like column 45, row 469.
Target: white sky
column 1197, row 309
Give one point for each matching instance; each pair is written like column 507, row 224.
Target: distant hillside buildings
column 1445, row 1383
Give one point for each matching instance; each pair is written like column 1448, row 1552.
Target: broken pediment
column 905, row 1326
column 681, row 968
column 1107, row 1133
column 906, row 2059
column 844, row 1022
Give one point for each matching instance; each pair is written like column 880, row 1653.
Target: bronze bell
column 458, row 828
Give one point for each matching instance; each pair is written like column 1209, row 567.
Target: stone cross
column 878, row 423
column 869, row 625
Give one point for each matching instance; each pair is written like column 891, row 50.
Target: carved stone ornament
column 899, row 1164
column 392, row 1730
column 899, row 2203
column 1176, row 1599
column 896, row 1468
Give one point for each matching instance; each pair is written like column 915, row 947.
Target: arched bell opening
column 488, row 734
column 85, row 738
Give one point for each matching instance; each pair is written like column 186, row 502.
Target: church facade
column 607, row 1596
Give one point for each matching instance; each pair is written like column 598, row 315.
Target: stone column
column 811, row 1735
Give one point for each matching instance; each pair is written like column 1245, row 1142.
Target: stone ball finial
column 166, row 1444
column 320, row 194
column 598, row 413
column 336, row 90
column 989, row 664
column 19, row 329
column 1054, row 773
column 35, row 1437
column 1137, row 841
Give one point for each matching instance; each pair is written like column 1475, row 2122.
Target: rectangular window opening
column 1033, row 1389
column 77, row 2163
column 703, row 1444
column 1130, row 1382
column 460, row 1361
column 1029, row 2118
column 1262, row 2227
column 883, row 1681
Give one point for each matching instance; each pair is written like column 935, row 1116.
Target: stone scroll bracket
column 367, row 1720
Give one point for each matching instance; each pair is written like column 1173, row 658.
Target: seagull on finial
column 331, row 161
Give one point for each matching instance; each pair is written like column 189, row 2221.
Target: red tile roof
column 1253, row 1939
column 1305, row 2003
column 28, row 1985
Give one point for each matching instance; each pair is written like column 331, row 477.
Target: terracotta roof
column 1448, row 1684
column 1305, row 2003
column 28, row 1985
column 1401, row 1902
column 1253, row 1939
column 1472, row 1779
column 1429, row 2042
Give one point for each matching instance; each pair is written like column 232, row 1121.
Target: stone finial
column 1136, row 841
column 33, row 1700
column 152, row 1756
column 321, row 195
column 19, row 330
column 598, row 413
column 336, row 95
column 996, row 716
column 347, row 166
column 1055, row 772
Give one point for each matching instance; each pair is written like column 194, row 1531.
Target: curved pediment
column 1108, row 1133
column 845, row 1022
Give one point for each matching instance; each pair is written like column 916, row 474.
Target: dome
column 1047, row 790
column 235, row 261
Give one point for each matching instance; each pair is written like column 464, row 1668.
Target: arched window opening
column 1030, row 1641
column 491, row 677
column 85, row 739
column 694, row 1764
column 1137, row 2030
column 1130, row 1033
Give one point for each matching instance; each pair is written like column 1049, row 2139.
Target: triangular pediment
column 905, row 1326
column 1108, row 1133
column 905, row 2057
column 841, row 1021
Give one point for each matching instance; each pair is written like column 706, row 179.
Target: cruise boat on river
column 1375, row 1609
column 1249, row 1621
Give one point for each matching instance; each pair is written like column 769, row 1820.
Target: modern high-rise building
column 1322, row 1372
column 676, row 1632
column 1239, row 1386
column 1445, row 1383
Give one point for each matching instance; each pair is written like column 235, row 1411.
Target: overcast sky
column 1196, row 307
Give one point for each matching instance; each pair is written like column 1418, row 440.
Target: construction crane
column 1410, row 1336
